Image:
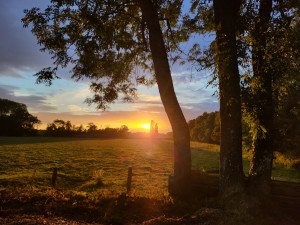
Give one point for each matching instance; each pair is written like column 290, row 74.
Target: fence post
column 129, row 179
column 54, row 177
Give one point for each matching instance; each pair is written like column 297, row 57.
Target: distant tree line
column 206, row 128
column 15, row 120
column 61, row 128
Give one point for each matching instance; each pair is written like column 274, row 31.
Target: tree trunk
column 261, row 164
column 231, row 167
column 182, row 155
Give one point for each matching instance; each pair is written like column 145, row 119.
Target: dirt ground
column 56, row 207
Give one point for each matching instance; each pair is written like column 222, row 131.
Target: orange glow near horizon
column 135, row 121
column 146, row 126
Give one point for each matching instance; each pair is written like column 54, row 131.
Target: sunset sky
column 20, row 58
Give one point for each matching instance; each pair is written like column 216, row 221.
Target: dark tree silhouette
column 152, row 128
column 156, row 129
column 226, row 14
column 266, row 46
column 110, row 38
column 15, row 120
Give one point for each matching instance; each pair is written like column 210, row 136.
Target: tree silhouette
column 15, row 120
column 226, row 14
column 267, row 50
column 274, row 52
column 156, row 129
column 104, row 41
column 152, row 128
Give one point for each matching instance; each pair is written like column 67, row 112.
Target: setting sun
column 146, row 126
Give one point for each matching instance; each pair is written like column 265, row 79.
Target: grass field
column 93, row 165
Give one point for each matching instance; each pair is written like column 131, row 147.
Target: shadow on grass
column 39, row 140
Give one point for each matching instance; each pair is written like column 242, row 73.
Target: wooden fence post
column 129, row 177
column 54, row 177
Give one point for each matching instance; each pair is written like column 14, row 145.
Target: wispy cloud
column 34, row 102
column 152, row 109
column 77, row 108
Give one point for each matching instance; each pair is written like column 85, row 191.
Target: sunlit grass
column 94, row 165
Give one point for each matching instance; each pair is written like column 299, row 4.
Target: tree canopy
column 267, row 44
column 103, row 41
column 15, row 120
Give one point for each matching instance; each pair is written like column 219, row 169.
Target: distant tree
column 206, row 128
column 152, row 128
column 156, row 129
column 61, row 128
column 15, row 120
column 91, row 127
column 216, row 133
column 104, row 41
column 123, row 131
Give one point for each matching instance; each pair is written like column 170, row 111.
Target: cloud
column 190, row 110
column 19, row 53
column 148, row 102
column 20, row 56
column 190, row 76
column 152, row 109
column 34, row 102
column 193, row 110
column 77, row 108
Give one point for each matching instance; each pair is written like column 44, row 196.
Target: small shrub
column 98, row 176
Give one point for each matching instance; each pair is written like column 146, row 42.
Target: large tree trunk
column 182, row 155
column 231, row 167
column 261, row 164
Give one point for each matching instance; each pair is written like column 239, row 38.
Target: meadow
column 100, row 165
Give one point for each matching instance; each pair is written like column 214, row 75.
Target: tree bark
column 261, row 164
column 182, row 155
column 231, row 168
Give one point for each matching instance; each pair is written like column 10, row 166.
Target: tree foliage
column 15, row 120
column 106, row 42
column 267, row 38
column 206, row 128
column 274, row 52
